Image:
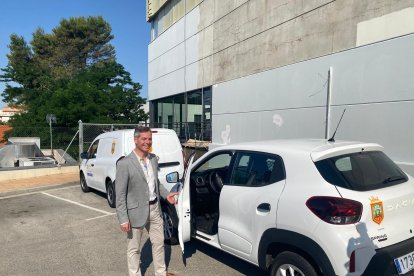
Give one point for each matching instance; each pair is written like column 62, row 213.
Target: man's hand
column 171, row 198
column 126, row 227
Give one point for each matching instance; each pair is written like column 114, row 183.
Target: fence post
column 80, row 139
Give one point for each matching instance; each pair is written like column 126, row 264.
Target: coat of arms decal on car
column 377, row 210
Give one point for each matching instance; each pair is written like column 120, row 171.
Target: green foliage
column 72, row 73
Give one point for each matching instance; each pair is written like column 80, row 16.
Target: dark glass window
column 93, row 149
column 257, row 169
column 361, row 171
column 189, row 114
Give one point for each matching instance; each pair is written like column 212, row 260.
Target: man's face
column 143, row 142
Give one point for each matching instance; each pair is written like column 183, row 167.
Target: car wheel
column 291, row 264
column 170, row 224
column 110, row 194
column 83, row 184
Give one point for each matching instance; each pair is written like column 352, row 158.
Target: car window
column 221, row 160
column 257, row 169
column 93, row 149
column 361, row 171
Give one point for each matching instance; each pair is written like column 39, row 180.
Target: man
column 138, row 202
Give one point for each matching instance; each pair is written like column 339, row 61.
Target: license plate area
column 404, row 263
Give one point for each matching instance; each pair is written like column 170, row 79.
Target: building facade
column 7, row 112
column 243, row 70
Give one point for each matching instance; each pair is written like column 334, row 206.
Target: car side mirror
column 84, row 155
column 172, row 177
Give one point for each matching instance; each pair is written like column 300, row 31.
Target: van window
column 361, row 171
column 93, row 149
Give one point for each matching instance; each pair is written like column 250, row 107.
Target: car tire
column 292, row 264
column 110, row 194
column 84, row 184
column 170, row 219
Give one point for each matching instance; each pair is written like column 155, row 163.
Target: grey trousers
column 155, row 229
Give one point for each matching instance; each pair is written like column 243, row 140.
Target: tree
column 71, row 72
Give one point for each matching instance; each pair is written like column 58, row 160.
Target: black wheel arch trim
column 293, row 239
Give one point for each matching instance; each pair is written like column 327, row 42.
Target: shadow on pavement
column 235, row 263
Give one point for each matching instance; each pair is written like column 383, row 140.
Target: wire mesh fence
column 188, row 130
column 185, row 132
column 50, row 138
column 75, row 140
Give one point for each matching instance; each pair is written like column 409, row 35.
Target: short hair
column 141, row 129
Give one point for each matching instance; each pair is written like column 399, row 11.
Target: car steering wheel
column 216, row 182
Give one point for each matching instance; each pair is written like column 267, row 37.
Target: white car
column 302, row 207
column 98, row 166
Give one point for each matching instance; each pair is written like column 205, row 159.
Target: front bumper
column 383, row 261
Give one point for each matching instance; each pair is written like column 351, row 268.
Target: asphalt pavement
column 48, row 226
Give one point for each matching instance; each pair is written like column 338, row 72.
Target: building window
column 189, row 114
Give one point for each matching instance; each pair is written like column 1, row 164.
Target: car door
column 90, row 165
column 183, row 208
column 248, row 202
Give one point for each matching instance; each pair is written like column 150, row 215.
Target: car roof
column 318, row 149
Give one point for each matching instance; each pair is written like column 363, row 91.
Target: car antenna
column 332, row 139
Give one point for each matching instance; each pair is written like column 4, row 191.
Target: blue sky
column 126, row 17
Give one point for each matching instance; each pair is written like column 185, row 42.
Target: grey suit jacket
column 131, row 189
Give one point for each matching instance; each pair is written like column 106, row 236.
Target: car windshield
column 361, row 171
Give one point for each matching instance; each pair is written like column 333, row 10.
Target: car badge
column 377, row 210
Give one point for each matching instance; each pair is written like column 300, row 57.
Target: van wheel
column 170, row 218
column 110, row 194
column 83, row 184
column 291, row 264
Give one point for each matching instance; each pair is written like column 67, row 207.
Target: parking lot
column 63, row 231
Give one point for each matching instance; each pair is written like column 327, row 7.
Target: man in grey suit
column 138, row 202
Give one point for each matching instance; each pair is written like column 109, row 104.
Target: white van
column 98, row 166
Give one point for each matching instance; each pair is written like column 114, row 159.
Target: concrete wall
column 36, row 172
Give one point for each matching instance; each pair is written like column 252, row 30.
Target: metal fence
column 185, row 131
column 188, row 130
column 75, row 140
column 58, row 138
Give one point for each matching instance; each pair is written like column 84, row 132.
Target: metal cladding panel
column 192, row 21
column 266, row 125
column 373, row 82
column 192, row 74
column 192, row 50
column 170, row 84
column 167, row 40
column 169, row 62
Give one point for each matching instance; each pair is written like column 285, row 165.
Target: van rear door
column 166, row 145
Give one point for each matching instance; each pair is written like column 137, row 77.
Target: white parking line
column 99, row 217
column 36, row 192
column 79, row 204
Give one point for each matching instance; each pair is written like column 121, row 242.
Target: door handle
column 264, row 207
